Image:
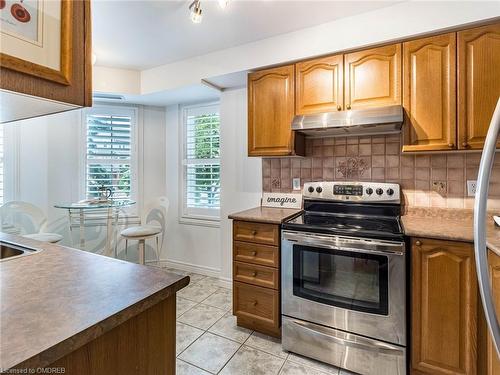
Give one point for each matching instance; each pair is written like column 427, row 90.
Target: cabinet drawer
column 267, row 234
column 256, row 254
column 256, row 275
column 258, row 307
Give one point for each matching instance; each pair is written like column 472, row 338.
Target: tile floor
column 209, row 342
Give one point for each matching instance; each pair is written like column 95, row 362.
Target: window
column 110, row 151
column 201, row 163
column 1, row 164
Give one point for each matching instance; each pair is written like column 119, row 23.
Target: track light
column 195, row 9
column 223, row 3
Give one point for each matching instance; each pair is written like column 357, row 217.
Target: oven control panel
column 352, row 191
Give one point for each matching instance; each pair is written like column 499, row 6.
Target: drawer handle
column 254, row 233
column 348, row 107
column 254, row 253
column 418, row 243
column 254, row 303
column 339, row 108
column 254, row 273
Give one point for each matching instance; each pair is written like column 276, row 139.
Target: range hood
column 377, row 120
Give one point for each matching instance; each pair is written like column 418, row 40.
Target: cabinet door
column 319, row 85
column 429, row 93
column 444, row 307
column 79, row 89
column 478, row 83
column 270, row 112
column 373, row 77
column 493, row 362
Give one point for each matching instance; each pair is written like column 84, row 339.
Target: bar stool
column 153, row 223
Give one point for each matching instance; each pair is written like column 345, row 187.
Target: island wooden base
column 144, row 344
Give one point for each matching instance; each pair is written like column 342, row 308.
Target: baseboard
column 226, row 282
column 184, row 266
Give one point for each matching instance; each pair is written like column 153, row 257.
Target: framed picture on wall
column 35, row 38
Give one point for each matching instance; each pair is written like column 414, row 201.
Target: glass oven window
column 355, row 281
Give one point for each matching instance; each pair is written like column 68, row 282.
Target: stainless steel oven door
column 352, row 284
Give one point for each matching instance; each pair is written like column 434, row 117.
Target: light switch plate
column 296, row 183
column 471, row 188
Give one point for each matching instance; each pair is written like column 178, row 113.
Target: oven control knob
column 379, row 191
column 390, row 191
column 310, row 189
column 369, row 191
column 319, row 189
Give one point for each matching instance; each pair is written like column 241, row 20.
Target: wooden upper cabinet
column 429, row 93
column 271, row 107
column 319, row 85
column 26, row 78
column 373, row 77
column 444, row 308
column 479, row 83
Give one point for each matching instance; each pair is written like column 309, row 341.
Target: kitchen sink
column 10, row 251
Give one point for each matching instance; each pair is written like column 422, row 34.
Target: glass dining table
column 80, row 213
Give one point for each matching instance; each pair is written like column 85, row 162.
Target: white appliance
column 483, row 180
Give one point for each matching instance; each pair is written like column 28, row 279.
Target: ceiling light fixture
column 223, row 3
column 195, row 9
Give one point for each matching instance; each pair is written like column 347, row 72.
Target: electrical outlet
column 471, row 188
column 296, row 183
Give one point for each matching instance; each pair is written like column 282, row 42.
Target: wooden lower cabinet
column 144, row 344
column 256, row 276
column 444, row 308
column 489, row 363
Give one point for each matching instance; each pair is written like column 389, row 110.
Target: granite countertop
column 265, row 214
column 447, row 224
column 57, row 300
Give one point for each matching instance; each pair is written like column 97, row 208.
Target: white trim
column 189, row 267
column 185, row 218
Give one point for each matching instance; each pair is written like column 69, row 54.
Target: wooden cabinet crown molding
column 319, row 85
column 478, row 82
column 429, row 93
column 444, row 308
column 373, row 77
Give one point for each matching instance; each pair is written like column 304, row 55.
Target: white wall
column 241, row 176
column 209, row 249
column 188, row 246
column 48, row 161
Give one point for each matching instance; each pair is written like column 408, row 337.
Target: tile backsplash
column 427, row 180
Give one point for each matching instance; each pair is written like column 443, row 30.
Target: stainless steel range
column 344, row 278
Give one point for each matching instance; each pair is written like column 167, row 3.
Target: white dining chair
column 28, row 219
column 153, row 224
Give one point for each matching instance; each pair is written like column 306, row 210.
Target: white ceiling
column 144, row 34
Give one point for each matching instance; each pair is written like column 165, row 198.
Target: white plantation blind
column 109, row 153
column 1, row 164
column 202, row 162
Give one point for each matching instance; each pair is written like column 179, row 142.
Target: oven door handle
column 339, row 243
column 359, row 343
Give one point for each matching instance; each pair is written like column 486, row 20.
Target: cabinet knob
column 254, row 303
column 418, row 243
column 450, row 145
column 254, row 253
column 254, row 232
column 339, row 108
column 465, row 145
column 348, row 106
column 254, row 273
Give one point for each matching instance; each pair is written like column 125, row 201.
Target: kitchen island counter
column 60, row 299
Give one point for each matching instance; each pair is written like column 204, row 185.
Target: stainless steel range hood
column 376, row 120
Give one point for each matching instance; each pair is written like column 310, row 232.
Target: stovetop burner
column 350, row 209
